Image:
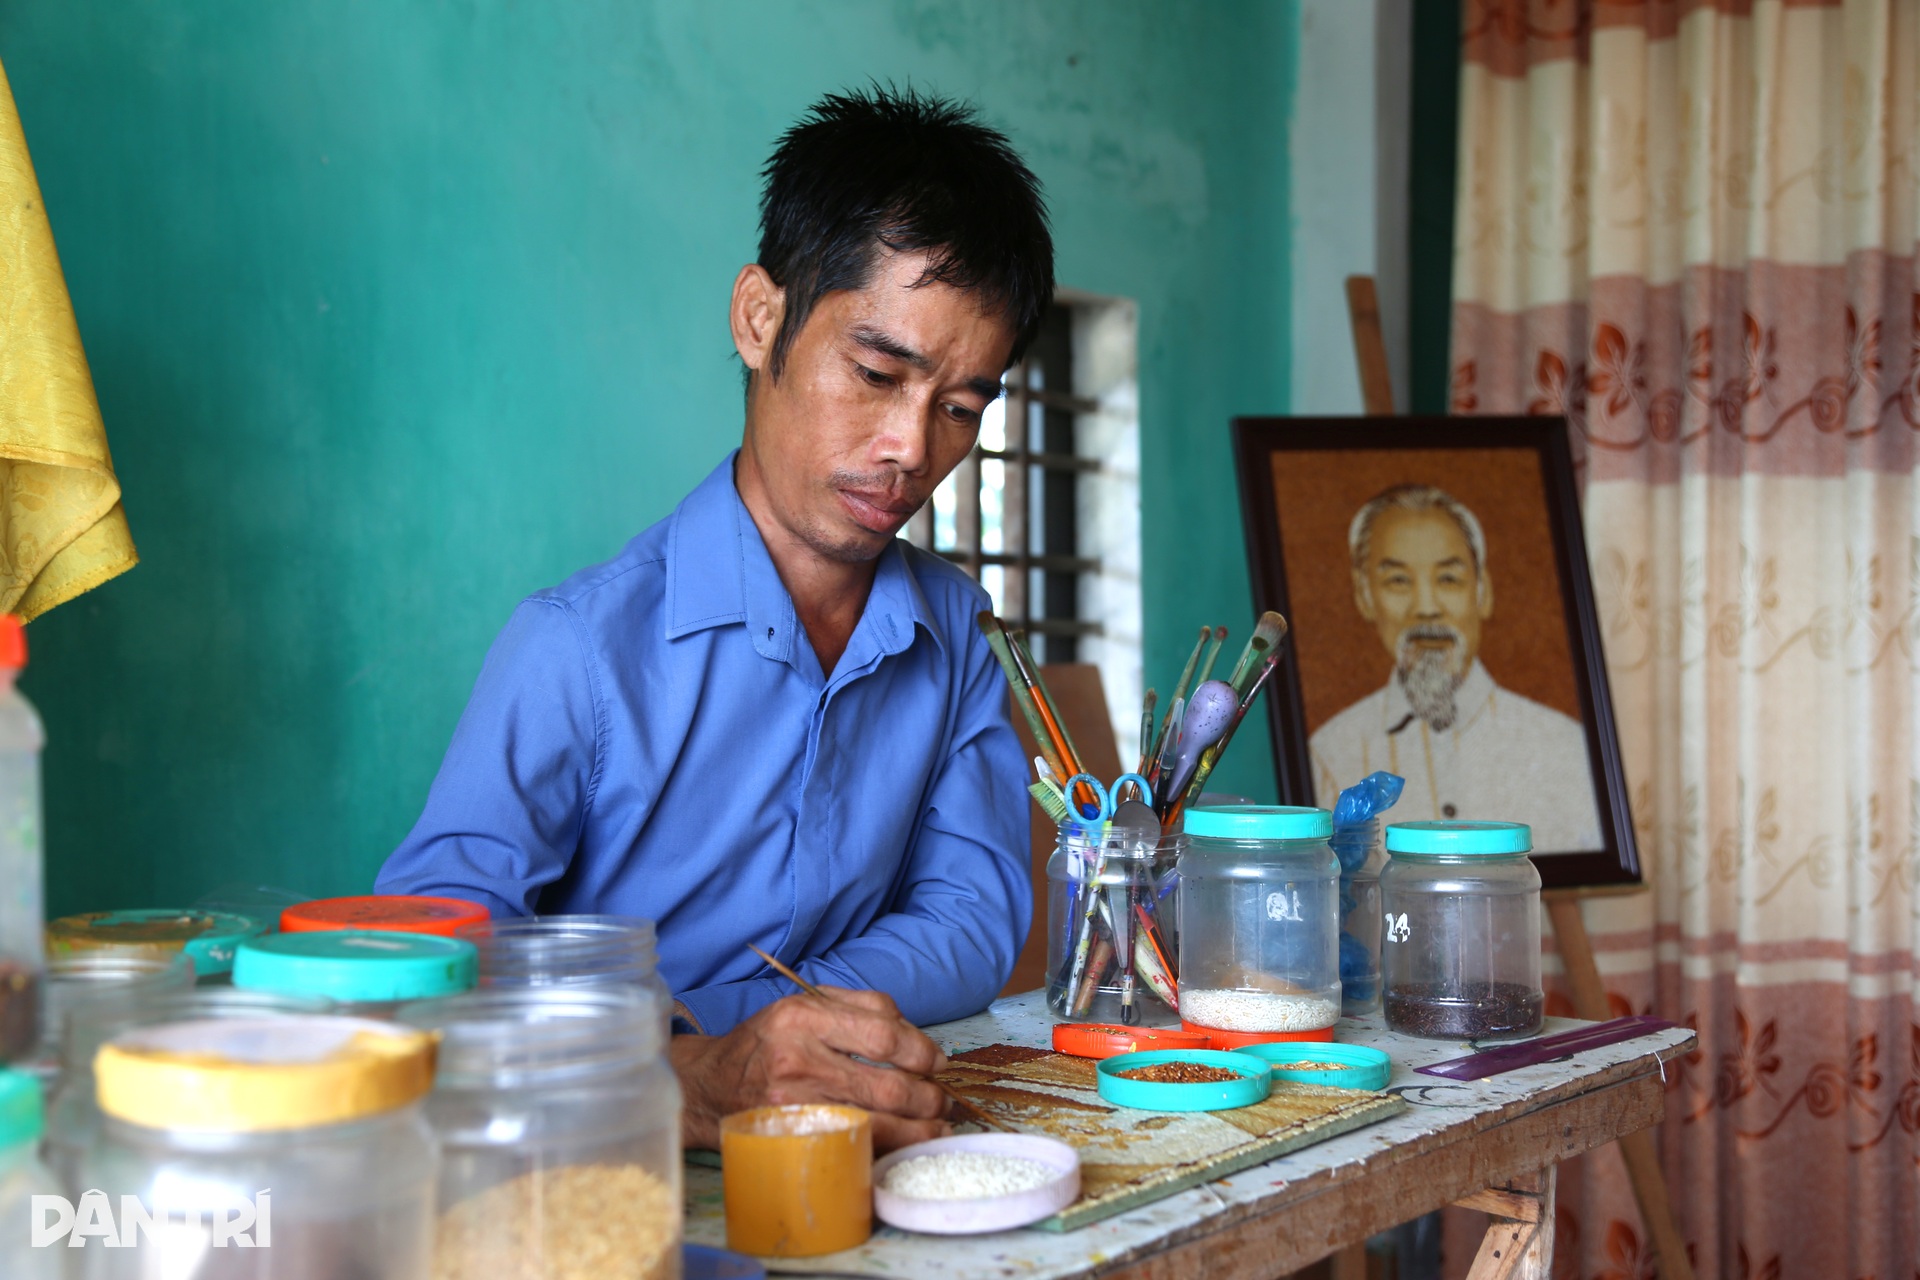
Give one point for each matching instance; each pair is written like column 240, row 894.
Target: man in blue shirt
column 768, row 720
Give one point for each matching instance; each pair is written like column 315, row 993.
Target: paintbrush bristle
column 1051, row 801
column 1213, row 654
column 1179, row 694
column 1265, row 638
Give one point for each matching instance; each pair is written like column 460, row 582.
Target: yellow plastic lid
column 249, row 1075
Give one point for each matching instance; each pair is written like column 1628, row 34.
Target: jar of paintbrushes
column 1109, row 958
column 1113, row 881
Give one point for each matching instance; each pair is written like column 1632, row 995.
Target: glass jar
column 22, row 1177
column 1259, row 925
column 385, row 913
column 365, row 974
column 1362, row 856
column 1108, row 958
column 1460, row 902
column 303, row 1137
column 100, row 984
column 559, row 1123
column 208, row 938
column 73, row 1112
column 569, row 951
column 22, row 905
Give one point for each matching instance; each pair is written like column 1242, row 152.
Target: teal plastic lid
column 1259, row 822
column 1456, row 839
column 357, row 965
column 22, row 1113
column 208, row 937
column 1338, row 1066
column 1252, row 1081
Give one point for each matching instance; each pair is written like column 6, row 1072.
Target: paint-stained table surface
column 1453, row 1139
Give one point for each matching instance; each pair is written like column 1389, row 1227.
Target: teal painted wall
column 400, row 310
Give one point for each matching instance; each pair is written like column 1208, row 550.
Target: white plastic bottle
column 22, row 898
column 22, row 1177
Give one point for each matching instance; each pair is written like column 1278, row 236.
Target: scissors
column 1106, row 800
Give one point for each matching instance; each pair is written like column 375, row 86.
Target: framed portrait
column 1434, row 577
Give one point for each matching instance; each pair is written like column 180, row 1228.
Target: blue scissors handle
column 1146, row 791
column 1101, row 794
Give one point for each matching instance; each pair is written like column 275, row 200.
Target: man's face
column 880, row 397
column 1420, row 590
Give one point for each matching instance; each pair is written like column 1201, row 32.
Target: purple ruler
column 1531, row 1053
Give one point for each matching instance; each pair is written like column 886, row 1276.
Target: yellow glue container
column 798, row 1179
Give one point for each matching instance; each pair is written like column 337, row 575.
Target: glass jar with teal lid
column 1460, row 949
column 365, row 973
column 22, row 1179
column 1259, row 924
column 208, row 938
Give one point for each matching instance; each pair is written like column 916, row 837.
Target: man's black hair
column 900, row 170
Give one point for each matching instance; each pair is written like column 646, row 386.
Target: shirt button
column 769, row 633
column 1449, row 811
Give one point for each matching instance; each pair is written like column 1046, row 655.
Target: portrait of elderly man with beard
column 1467, row 747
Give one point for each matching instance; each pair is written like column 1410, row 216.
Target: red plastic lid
column 1102, row 1040
column 13, row 642
column 1237, row 1039
column 393, row 913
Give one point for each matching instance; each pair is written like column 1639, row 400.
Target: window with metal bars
column 1010, row 514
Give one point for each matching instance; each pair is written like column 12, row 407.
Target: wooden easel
column 1532, row 1235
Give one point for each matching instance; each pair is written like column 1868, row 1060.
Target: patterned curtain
column 1689, row 227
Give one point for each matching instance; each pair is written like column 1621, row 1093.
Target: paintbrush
column 1179, row 694
column 1213, row 652
column 1056, row 725
column 1211, row 756
column 972, row 1111
column 996, row 635
column 1043, row 699
column 1265, row 640
column 1146, row 732
column 1175, row 729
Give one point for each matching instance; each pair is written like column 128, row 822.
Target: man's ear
column 1483, row 596
column 755, row 314
column 1363, row 597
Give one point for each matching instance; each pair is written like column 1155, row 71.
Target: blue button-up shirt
column 655, row 737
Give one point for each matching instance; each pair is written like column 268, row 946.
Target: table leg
column 1519, row 1240
column 1350, row 1263
column 1642, row 1158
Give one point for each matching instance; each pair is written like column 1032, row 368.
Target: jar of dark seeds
column 1460, row 941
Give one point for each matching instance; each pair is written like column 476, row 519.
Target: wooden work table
column 1491, row 1143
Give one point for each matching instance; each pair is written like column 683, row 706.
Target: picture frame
column 1433, row 572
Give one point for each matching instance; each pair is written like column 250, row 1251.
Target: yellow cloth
column 62, row 528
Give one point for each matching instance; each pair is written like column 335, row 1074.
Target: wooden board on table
column 1129, row 1158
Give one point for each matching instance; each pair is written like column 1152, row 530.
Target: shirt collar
column 719, row 573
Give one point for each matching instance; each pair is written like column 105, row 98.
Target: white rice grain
column 965, row 1175
column 1257, row 1011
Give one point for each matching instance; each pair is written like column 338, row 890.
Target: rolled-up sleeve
column 504, row 816
column 965, row 898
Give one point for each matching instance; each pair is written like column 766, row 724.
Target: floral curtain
column 1689, row 227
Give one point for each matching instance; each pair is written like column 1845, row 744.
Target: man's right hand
column 798, row 1050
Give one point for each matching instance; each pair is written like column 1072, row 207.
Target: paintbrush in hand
column 972, row 1112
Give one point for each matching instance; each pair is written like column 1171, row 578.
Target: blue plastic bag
column 1354, row 815
column 1356, row 825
